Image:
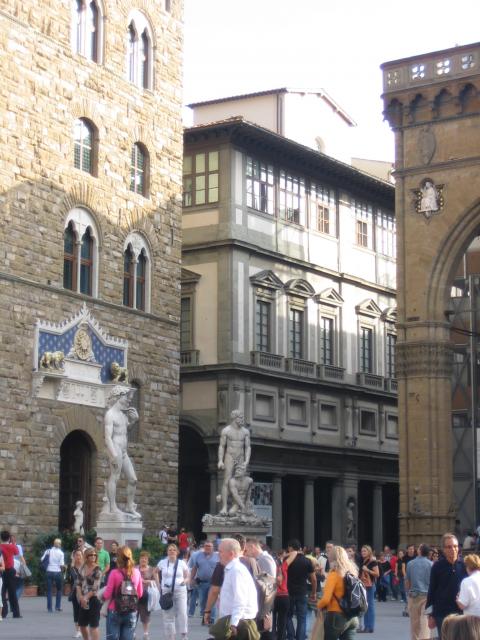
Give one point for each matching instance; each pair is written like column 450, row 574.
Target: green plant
column 43, row 542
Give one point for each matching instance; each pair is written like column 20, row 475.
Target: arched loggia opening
column 464, row 315
column 193, row 480
column 77, row 453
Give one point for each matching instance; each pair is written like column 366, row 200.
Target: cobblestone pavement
column 38, row 624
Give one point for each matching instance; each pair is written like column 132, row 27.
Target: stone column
column 213, row 492
column 337, row 511
column 377, row 518
column 309, row 514
column 277, row 513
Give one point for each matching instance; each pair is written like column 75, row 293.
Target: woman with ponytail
column 121, row 623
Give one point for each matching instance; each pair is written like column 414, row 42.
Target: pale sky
column 234, row 47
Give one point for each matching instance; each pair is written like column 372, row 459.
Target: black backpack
column 126, row 598
column 354, row 601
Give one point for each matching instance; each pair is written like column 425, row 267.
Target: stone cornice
column 96, row 302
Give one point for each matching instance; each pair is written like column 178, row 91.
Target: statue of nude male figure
column 118, row 419
column 234, row 449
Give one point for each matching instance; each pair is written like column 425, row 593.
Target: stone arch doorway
column 464, row 315
column 77, row 453
column 193, row 480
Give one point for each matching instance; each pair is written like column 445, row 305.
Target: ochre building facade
column 90, row 208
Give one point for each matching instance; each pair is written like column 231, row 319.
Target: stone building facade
column 90, row 214
column 288, row 313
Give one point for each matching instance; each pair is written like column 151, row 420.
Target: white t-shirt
column 470, row 594
column 167, row 569
column 55, row 559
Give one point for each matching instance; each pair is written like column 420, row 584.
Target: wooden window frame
column 292, row 342
column 207, row 174
column 139, row 149
column 364, row 331
column 260, row 177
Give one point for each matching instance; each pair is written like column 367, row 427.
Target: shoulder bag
column 166, row 599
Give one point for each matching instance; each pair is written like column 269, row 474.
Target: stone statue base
column 249, row 525
column 121, row 528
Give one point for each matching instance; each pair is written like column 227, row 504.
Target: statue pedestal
column 124, row 531
column 226, row 526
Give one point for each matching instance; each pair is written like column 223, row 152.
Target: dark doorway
column 323, row 511
column 293, row 503
column 390, row 515
column 193, row 481
column 76, row 458
column 365, row 513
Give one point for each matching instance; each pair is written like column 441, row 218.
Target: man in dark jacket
column 445, row 578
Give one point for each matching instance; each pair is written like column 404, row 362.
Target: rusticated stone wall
column 44, row 88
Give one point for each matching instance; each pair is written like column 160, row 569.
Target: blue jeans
column 369, row 617
column 203, row 589
column 121, row 626
column 192, row 603
column 298, row 607
column 54, row 577
column 401, row 587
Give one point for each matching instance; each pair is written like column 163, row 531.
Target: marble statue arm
column 112, row 453
column 132, row 415
column 221, row 450
column 248, row 449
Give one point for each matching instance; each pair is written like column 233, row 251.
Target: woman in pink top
column 121, row 626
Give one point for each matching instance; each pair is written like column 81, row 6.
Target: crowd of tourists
column 241, row 589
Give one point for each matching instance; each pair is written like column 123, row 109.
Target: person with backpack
column 123, row 590
column 339, row 597
column 87, row 586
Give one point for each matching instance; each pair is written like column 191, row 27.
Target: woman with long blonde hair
column 121, row 626
column 457, row 627
column 369, row 574
column 337, row 625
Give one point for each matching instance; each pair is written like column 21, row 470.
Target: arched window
column 128, row 276
column 139, row 170
column 69, row 259
column 140, row 282
column 84, row 145
column 136, row 272
column 145, row 60
column 86, row 32
column 80, row 252
column 139, row 51
column 132, row 52
column 86, row 263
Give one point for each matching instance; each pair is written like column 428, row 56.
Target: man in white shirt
column 238, row 597
column 56, row 565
